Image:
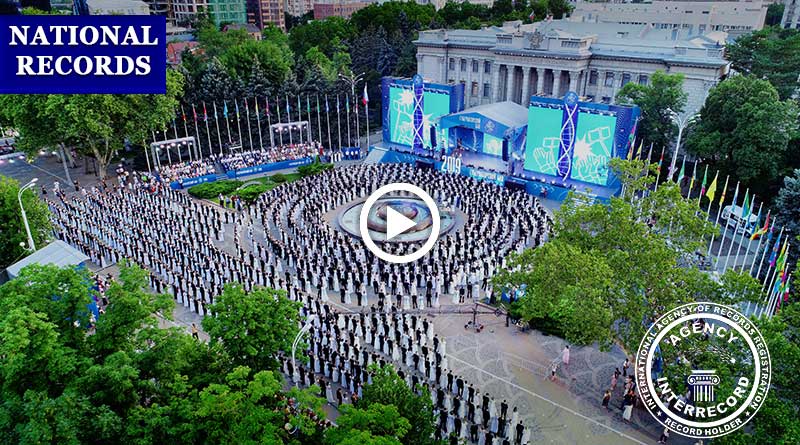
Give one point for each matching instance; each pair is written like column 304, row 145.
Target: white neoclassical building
column 595, row 60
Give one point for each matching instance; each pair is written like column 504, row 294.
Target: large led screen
column 492, row 145
column 544, row 138
column 401, row 114
column 594, row 141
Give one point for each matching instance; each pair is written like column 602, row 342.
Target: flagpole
column 308, row 113
column 154, row 152
column 208, row 131
column 766, row 299
column 258, row 123
column 744, row 233
column 289, row 119
column 328, row 119
column 227, row 124
column 269, row 123
column 239, row 123
column 735, row 229
column 772, row 293
column 760, row 239
column 660, row 165
column 764, row 254
column 175, row 128
column 347, row 111
column 219, row 133
column 776, row 293
column 249, row 131
column 338, row 125
column 186, row 131
column 146, row 156
column 358, row 124
column 716, row 221
column 197, row 133
column 727, row 223
column 366, row 111
column 280, row 129
column 319, row 124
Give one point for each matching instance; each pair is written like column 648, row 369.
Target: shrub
column 278, row 178
column 313, row 168
column 210, row 190
column 250, row 193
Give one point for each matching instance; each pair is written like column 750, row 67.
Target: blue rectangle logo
column 108, row 54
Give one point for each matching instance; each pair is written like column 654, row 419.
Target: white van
column 732, row 215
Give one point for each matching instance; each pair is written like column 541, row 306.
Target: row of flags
column 267, row 106
column 777, row 281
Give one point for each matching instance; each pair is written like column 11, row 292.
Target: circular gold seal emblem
column 703, row 370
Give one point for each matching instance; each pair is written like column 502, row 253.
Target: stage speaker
column 433, row 136
column 506, row 143
column 424, row 164
column 513, row 185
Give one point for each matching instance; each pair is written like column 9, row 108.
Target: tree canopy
column 772, row 53
column 12, row 228
column 745, row 129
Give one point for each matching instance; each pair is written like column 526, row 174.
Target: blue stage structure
column 549, row 148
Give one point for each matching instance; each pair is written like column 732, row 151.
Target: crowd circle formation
column 287, row 240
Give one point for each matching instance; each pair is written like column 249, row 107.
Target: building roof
column 587, row 39
column 508, row 113
column 57, row 253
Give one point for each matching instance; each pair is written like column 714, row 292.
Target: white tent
column 57, row 253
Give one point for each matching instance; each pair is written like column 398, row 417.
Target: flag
column 337, row 104
column 781, row 267
column 761, row 230
column 639, row 151
column 682, row 173
column 247, row 106
column 347, row 103
column 712, row 188
column 703, row 184
column 288, row 108
column 630, row 151
column 774, row 255
column 194, row 113
column 205, row 113
column 183, row 113
column 694, row 177
column 532, row 15
column 308, row 106
column 215, row 110
column 746, row 206
column 786, row 288
column 225, row 109
column 317, row 97
column 236, row 105
column 365, row 99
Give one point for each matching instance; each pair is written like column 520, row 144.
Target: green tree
column 387, row 388
column 774, row 14
column 787, row 210
column 274, row 60
column 253, row 326
column 611, row 269
column 326, row 35
column 377, row 424
column 12, row 228
column 771, row 54
column 663, row 93
column 745, row 129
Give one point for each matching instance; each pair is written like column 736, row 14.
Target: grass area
column 249, row 193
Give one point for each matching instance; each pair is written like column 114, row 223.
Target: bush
column 210, row 190
column 250, row 193
column 278, row 178
column 313, row 168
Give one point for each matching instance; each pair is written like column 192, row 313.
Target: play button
column 397, row 223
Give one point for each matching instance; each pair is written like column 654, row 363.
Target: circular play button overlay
column 397, row 220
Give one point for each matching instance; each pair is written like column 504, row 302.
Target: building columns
column 556, row 83
column 526, row 86
column 539, row 81
column 573, row 81
column 496, row 82
column 468, row 84
column 481, row 68
column 510, row 82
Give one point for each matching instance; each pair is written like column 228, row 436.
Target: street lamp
column 682, row 123
column 22, row 189
column 306, row 328
column 352, row 80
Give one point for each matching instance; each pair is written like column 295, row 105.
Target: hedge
column 211, row 190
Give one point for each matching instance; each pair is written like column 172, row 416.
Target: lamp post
column 22, row 189
column 682, row 123
column 306, row 328
column 352, row 80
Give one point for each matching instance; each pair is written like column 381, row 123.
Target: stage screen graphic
column 544, row 136
column 594, row 140
column 401, row 114
column 492, row 145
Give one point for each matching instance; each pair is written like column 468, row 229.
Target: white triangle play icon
column 396, row 223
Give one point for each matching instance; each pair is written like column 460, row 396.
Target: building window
column 487, row 67
column 593, row 77
column 642, row 79
column 474, row 66
column 609, row 80
column 569, row 44
column 474, row 89
column 452, row 65
column 463, row 64
column 626, row 78
column 487, row 90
